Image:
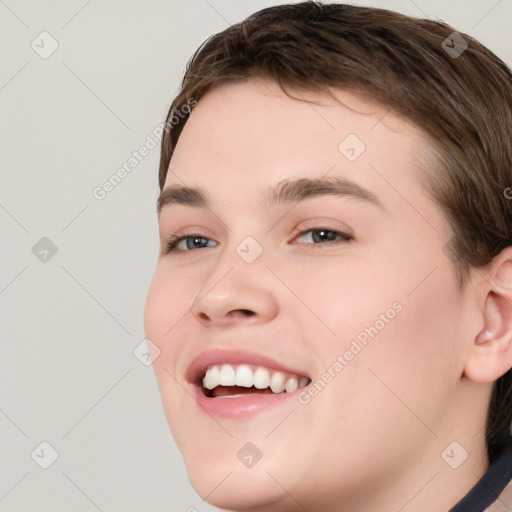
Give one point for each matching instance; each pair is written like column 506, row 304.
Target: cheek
column 338, row 299
column 167, row 302
column 396, row 331
column 166, row 314
column 412, row 366
column 403, row 380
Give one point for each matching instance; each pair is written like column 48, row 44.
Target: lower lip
column 240, row 406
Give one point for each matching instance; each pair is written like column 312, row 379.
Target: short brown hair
column 462, row 100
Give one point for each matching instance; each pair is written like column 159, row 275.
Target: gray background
column 69, row 324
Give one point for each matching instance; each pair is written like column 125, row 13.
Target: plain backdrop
column 74, row 269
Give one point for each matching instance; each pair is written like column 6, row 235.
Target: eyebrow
column 286, row 191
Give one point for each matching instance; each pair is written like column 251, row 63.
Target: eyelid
column 327, row 223
column 171, row 242
column 166, row 233
column 346, row 237
column 313, row 223
column 176, row 238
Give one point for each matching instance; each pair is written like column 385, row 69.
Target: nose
column 240, row 293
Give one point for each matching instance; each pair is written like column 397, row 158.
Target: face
column 337, row 290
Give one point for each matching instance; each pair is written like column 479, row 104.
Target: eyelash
column 174, row 240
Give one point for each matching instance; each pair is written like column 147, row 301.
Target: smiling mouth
column 231, row 381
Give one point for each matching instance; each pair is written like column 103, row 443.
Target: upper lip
column 210, row 357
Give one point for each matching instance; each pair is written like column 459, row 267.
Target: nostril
column 241, row 312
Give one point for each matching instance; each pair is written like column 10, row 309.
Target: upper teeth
column 246, row 376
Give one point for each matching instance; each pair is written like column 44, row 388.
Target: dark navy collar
column 487, row 490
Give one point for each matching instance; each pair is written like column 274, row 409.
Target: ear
column 491, row 353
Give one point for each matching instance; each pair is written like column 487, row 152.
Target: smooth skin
column 373, row 437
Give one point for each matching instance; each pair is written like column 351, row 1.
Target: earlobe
column 490, row 356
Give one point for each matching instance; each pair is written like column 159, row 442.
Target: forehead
column 254, row 99
column 243, row 137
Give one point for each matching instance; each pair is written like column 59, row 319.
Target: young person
column 331, row 311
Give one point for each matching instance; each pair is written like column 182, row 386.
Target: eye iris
column 331, row 235
column 194, row 241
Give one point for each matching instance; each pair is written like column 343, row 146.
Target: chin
column 229, row 488
column 220, row 471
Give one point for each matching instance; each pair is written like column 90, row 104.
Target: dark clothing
column 489, row 489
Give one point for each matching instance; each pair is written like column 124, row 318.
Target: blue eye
column 326, row 235
column 175, row 240
column 197, row 241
